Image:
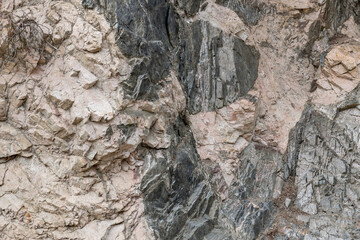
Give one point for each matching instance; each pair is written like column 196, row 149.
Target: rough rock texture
column 174, row 119
column 215, row 69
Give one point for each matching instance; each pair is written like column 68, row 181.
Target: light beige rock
column 61, row 31
column 12, row 141
column 62, row 98
column 221, row 135
column 86, row 37
column 64, row 166
column 350, row 29
column 4, row 35
column 3, row 100
column 87, row 79
column 10, row 202
column 100, row 109
column 3, row 109
column 339, row 75
column 53, row 16
column 298, row 4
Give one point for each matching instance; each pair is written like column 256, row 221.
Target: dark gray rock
column 90, row 4
column 324, row 154
column 214, row 68
column 126, row 132
column 249, row 206
column 179, row 202
column 219, row 234
column 249, row 11
column 147, row 31
column 190, row 7
column 338, row 11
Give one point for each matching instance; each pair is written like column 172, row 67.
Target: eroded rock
column 13, row 142
column 171, row 119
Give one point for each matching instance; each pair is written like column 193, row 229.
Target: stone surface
column 205, row 119
column 215, row 69
column 323, row 158
column 13, row 142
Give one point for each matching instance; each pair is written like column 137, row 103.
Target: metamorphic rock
column 179, row 120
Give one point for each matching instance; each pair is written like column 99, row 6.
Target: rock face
column 323, row 154
column 215, row 69
column 205, row 119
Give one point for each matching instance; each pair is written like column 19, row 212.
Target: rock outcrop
column 204, row 119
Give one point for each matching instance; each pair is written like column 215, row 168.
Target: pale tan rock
column 86, row 37
column 8, row 5
column 3, row 109
column 11, row 202
column 339, row 75
column 12, row 141
column 40, row 136
column 87, row 79
column 298, row 4
column 64, row 166
column 98, row 21
column 224, row 19
column 79, row 112
column 3, row 100
column 3, row 170
column 351, row 29
column 3, row 86
column 225, row 125
column 3, row 223
column 221, row 135
column 158, row 138
column 100, row 109
column 52, row 105
column 61, row 31
column 62, row 98
column 4, row 35
column 99, row 229
column 61, row 90
column 53, row 16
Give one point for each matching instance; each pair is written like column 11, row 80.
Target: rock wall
column 173, row 119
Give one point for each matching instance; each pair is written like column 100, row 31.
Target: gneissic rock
column 215, row 68
column 179, row 120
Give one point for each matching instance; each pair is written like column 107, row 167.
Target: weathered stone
column 190, row 7
column 62, row 98
column 110, row 105
column 287, row 202
column 88, row 4
column 3, row 109
column 86, row 37
column 87, row 79
column 337, row 12
column 249, row 11
column 12, row 142
column 215, row 69
column 191, row 199
column 99, row 108
column 322, row 159
column 64, row 167
column 62, row 31
column 53, row 16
